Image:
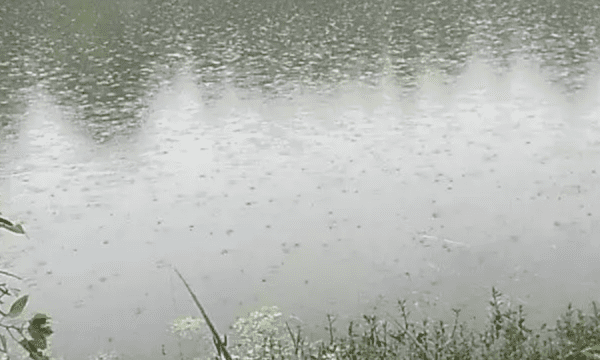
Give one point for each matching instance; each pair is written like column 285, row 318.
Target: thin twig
column 9, row 274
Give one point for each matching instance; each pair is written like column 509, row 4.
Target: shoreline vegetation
column 264, row 334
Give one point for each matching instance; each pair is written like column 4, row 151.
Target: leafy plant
column 39, row 328
column 193, row 328
column 262, row 334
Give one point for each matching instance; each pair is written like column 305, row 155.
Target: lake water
column 315, row 195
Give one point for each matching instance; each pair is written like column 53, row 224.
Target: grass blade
column 216, row 338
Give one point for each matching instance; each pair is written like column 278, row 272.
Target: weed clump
column 264, row 334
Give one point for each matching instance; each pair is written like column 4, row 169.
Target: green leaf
column 593, row 348
column 40, row 343
column 29, row 346
column 591, row 352
column 33, row 350
column 18, row 229
column 5, row 222
column 39, row 319
column 3, row 340
column 35, row 333
column 38, row 326
column 15, row 228
column 18, row 306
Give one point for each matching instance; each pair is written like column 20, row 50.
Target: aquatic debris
column 447, row 244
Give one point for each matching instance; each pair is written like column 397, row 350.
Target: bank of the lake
column 506, row 334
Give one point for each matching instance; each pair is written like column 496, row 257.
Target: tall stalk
column 219, row 344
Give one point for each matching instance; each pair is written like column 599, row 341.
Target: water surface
column 309, row 170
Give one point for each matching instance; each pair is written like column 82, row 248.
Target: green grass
column 264, row 334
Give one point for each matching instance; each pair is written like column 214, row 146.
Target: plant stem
column 216, row 338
